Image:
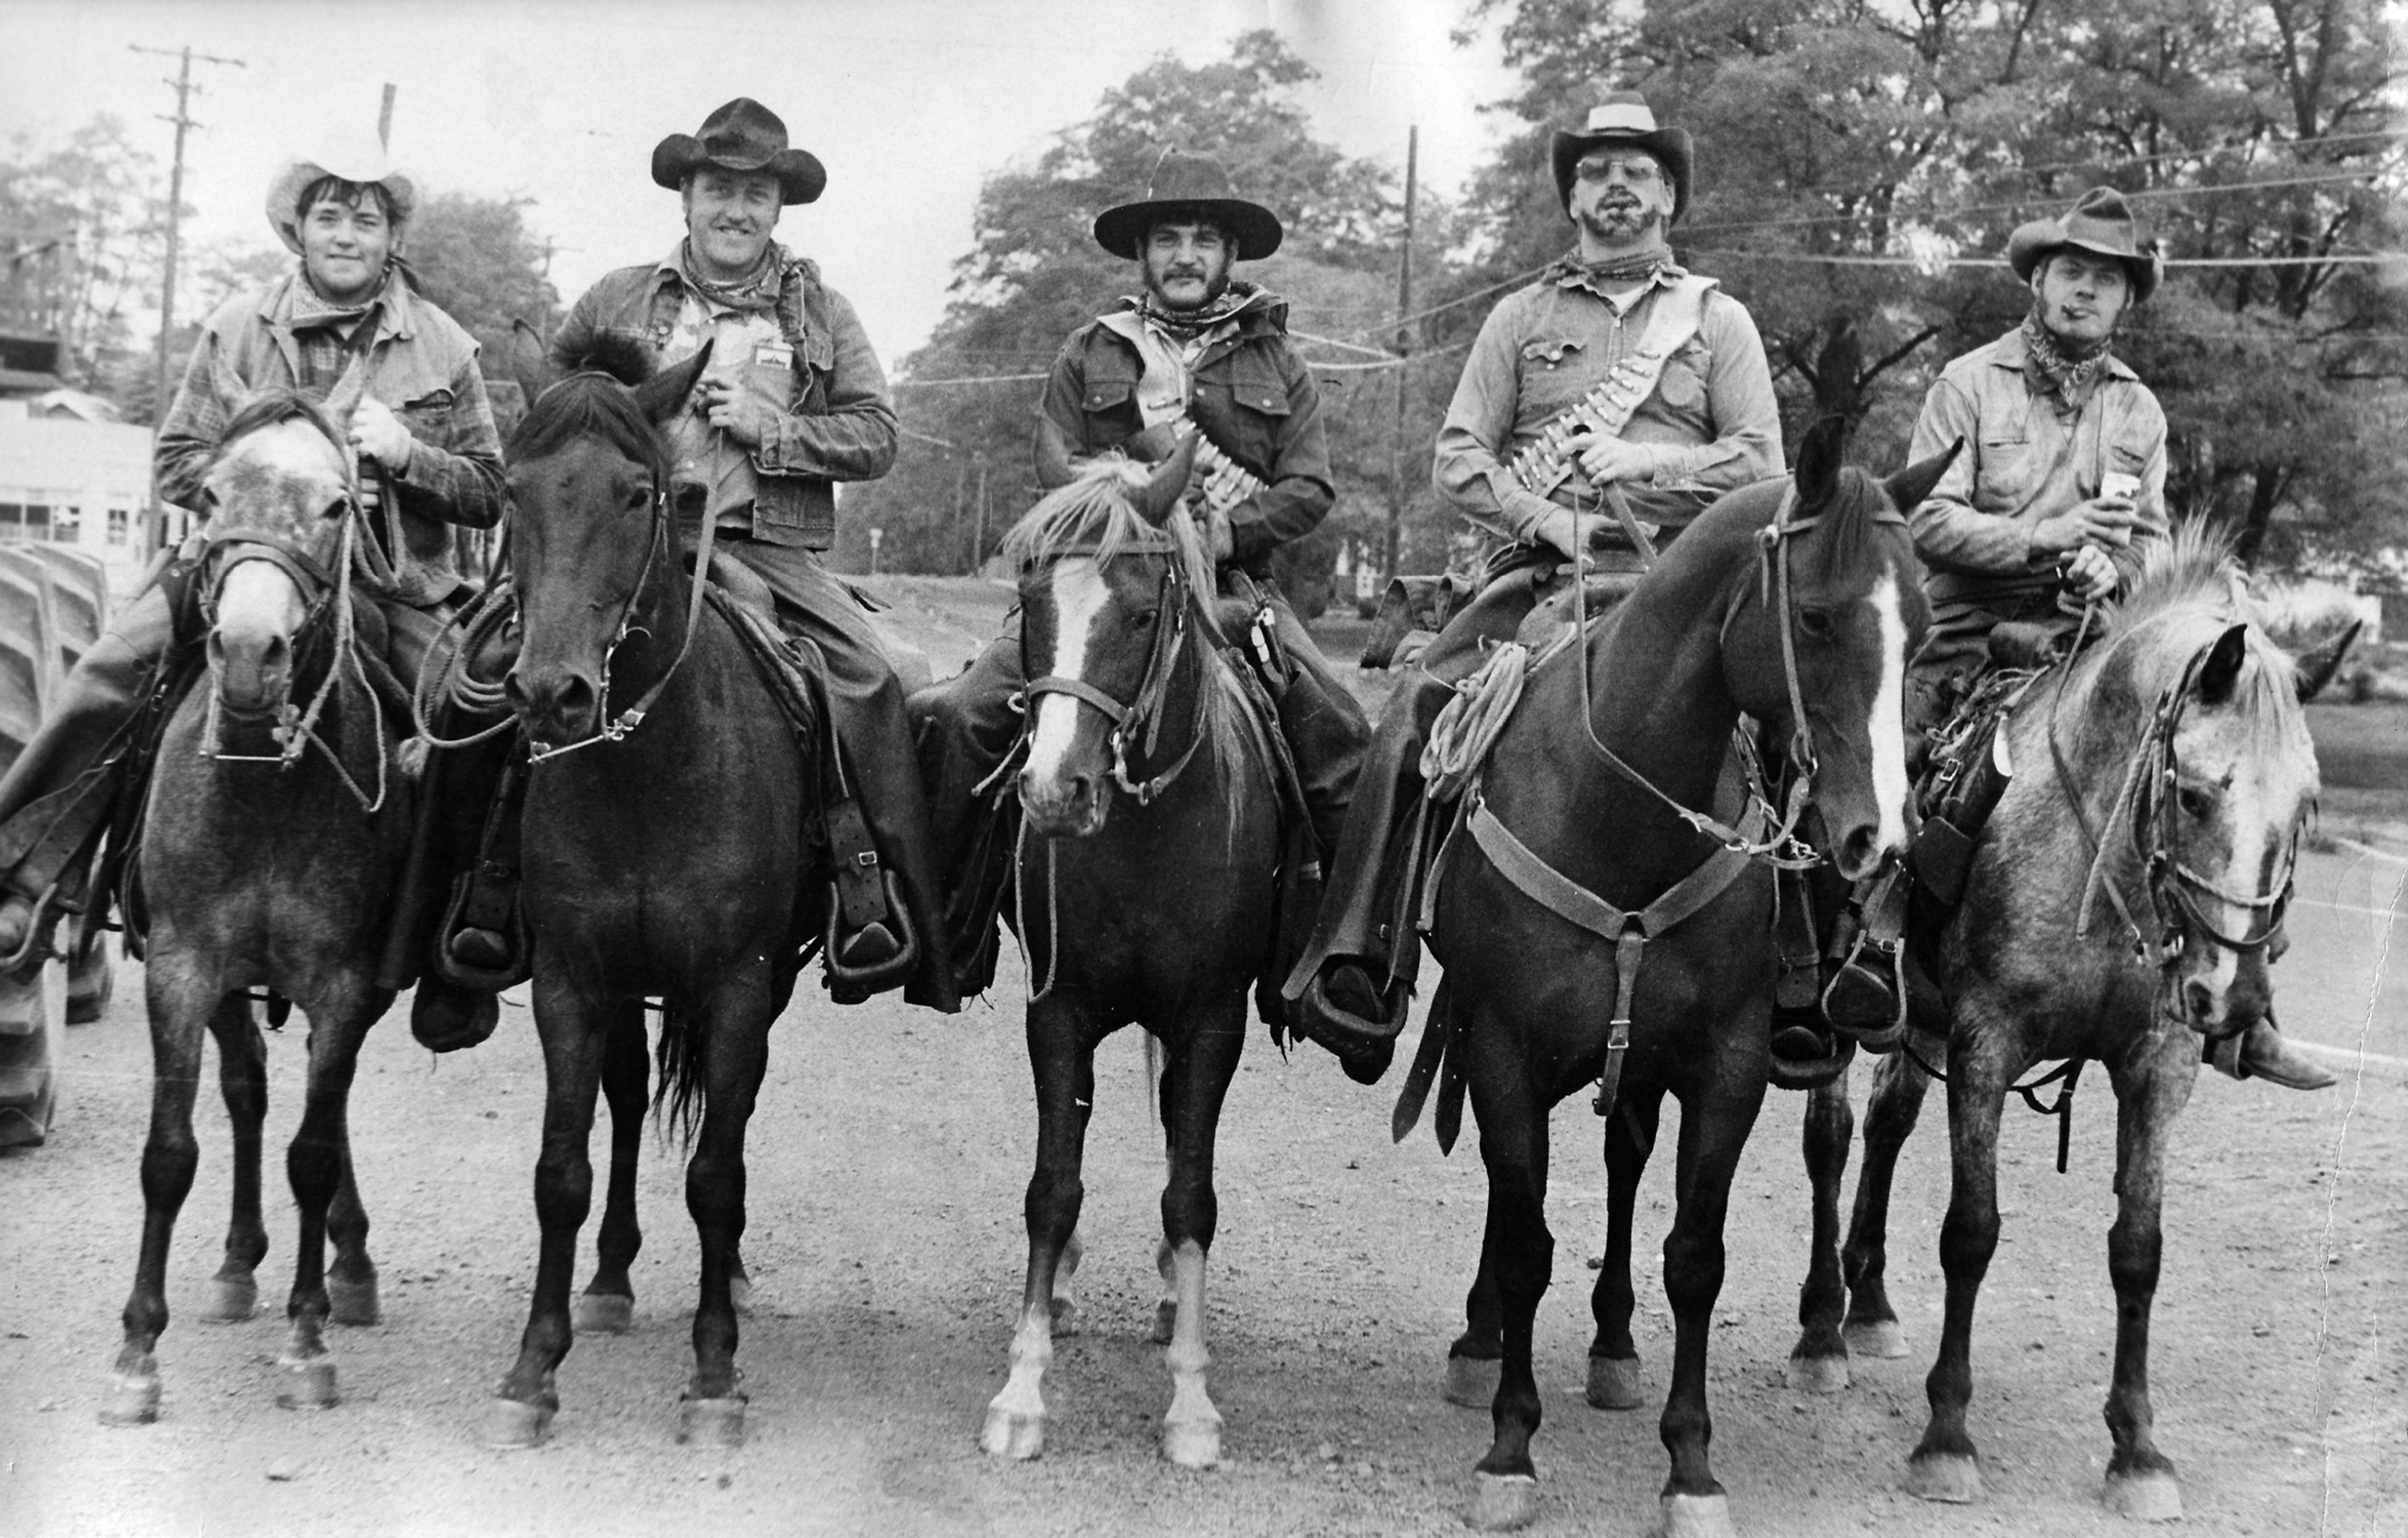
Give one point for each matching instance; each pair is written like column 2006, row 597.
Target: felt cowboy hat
column 1189, row 187
column 743, row 136
column 358, row 159
column 1625, row 118
column 2102, row 223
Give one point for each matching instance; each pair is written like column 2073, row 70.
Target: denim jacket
column 842, row 426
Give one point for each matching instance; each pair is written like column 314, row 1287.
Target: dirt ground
column 886, row 1171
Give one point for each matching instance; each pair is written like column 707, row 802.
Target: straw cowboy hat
column 2102, row 223
column 1625, row 118
column 357, row 159
column 743, row 136
column 1189, row 187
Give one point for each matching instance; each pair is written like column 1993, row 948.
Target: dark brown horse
column 1151, row 906
column 666, row 833
column 2127, row 901
column 1572, row 834
column 274, row 832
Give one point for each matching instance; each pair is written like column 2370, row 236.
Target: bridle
column 1142, row 714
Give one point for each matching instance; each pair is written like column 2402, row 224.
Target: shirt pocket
column 1111, row 381
column 1257, row 386
column 1550, row 351
column 2006, row 473
column 429, row 418
column 1682, row 386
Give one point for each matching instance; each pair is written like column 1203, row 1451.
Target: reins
column 1144, row 712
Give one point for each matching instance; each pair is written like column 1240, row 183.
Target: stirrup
column 1866, row 998
column 35, row 948
column 865, row 981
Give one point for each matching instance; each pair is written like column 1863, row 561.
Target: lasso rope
column 453, row 684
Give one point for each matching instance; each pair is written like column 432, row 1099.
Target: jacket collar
column 396, row 313
column 669, row 270
column 1565, row 274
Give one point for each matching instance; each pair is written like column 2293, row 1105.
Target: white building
column 78, row 482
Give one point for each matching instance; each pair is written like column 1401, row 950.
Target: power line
column 1811, row 259
column 1928, row 215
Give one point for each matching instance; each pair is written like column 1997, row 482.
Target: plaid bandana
column 755, row 289
column 1195, row 322
column 322, row 331
column 1636, row 267
column 2052, row 370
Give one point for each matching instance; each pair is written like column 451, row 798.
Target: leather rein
column 1142, row 714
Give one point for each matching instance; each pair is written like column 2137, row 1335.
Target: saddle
column 1414, row 606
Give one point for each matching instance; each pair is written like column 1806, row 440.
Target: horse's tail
column 680, row 1084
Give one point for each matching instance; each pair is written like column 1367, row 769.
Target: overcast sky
column 909, row 103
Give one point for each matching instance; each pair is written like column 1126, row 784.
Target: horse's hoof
column 1613, row 1383
column 1696, row 1516
column 1066, row 1319
column 712, row 1422
column 133, row 1399
column 2150, row 1496
column 1817, row 1376
column 1012, row 1433
column 514, row 1423
column 1471, row 1382
column 353, row 1302
column 1952, row 1477
column 1502, row 1501
column 309, row 1386
column 1192, row 1444
column 232, row 1300
column 1875, row 1340
column 604, row 1312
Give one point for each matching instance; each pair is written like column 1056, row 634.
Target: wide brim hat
column 743, row 136
column 2102, row 223
column 1186, row 187
column 1625, row 118
column 361, row 160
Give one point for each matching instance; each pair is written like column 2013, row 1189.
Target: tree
column 476, row 257
column 82, row 231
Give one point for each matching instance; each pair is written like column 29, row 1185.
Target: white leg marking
column 1079, row 597
column 1191, row 1432
column 1887, row 730
column 1015, row 1418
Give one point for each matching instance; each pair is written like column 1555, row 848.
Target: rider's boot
column 2261, row 1052
column 456, row 927
column 1805, row 1052
column 1866, row 997
column 869, row 941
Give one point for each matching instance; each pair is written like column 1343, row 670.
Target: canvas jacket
column 2026, row 459
column 422, row 365
column 1544, row 347
column 842, row 426
column 1252, row 395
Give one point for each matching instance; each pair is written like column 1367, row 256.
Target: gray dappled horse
column 1578, row 797
column 273, row 835
column 2126, row 902
column 1152, row 906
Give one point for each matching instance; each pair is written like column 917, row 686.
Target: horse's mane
column 589, row 403
column 1094, row 515
column 1849, row 519
column 2194, row 570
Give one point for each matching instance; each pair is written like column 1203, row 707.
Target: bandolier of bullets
column 1545, row 462
column 1221, row 482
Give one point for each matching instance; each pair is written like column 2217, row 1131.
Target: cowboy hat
column 1625, row 118
column 2100, row 223
column 1189, row 187
column 359, row 160
column 743, row 136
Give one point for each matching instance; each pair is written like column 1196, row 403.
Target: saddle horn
column 1166, row 485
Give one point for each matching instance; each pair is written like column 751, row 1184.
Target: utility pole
column 1404, row 367
column 384, row 118
column 183, row 121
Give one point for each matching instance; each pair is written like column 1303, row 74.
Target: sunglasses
column 1638, row 170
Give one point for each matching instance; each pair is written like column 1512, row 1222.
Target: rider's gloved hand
column 379, row 435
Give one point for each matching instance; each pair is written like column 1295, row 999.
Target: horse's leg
column 314, row 1165
column 2151, row 1090
column 1517, row 1257
column 735, row 1048
column 1066, row 1307
column 1473, row 1356
column 1890, row 1111
column 1193, row 1088
column 1613, row 1355
column 1943, row 1466
column 1818, row 1363
column 351, row 1279
column 1062, row 1056
column 1714, row 1130
column 178, row 1003
column 575, row 1033
column 609, row 1301
column 242, row 1077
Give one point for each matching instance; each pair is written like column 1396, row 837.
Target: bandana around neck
column 755, row 289
column 1634, row 268
column 2054, row 369
column 1193, row 323
column 312, row 308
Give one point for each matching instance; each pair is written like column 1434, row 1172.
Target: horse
column 669, row 825
column 2163, row 778
column 1153, row 907
column 1597, row 880
column 274, row 829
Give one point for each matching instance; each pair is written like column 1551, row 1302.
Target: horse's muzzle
column 1062, row 807
column 557, row 706
column 253, row 666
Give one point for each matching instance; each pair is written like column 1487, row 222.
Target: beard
column 1620, row 222
column 1215, row 285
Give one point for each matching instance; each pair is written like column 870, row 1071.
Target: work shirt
column 421, row 364
column 2027, row 457
column 837, row 423
column 1546, row 346
column 1247, row 390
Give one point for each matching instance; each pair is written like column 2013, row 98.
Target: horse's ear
column 1819, row 460
column 660, row 396
column 1910, row 486
column 2221, row 672
column 1167, row 483
column 1055, row 465
column 528, row 363
column 2316, row 666
column 344, row 399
